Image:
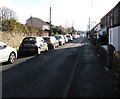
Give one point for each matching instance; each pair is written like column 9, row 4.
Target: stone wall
column 13, row 39
column 117, row 59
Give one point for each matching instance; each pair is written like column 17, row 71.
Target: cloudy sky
column 66, row 13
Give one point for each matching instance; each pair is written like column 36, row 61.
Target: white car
column 66, row 39
column 60, row 38
column 7, row 53
column 74, row 36
column 70, row 38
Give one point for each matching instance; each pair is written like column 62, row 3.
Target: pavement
column 91, row 78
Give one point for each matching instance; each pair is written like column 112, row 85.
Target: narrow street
column 72, row 70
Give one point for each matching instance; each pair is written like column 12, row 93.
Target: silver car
column 33, row 44
column 7, row 53
column 51, row 41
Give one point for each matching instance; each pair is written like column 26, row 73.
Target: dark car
column 33, row 44
column 52, row 42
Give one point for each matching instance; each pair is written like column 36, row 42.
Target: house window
column 115, row 16
column 111, row 20
column 108, row 23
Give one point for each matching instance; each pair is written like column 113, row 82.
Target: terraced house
column 110, row 24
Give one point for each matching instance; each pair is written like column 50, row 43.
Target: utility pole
column 73, row 27
column 50, row 24
column 31, row 21
column 89, row 25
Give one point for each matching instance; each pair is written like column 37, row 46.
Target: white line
column 106, row 68
column 73, row 72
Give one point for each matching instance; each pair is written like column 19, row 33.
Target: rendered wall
column 114, row 37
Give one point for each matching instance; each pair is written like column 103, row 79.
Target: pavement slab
column 90, row 78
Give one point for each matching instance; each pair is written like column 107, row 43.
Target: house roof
column 118, row 4
column 39, row 20
column 60, row 28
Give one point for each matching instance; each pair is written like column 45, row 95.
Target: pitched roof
column 39, row 20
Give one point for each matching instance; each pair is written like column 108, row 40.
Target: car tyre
column 60, row 43
column 46, row 49
column 12, row 58
column 53, row 47
column 38, row 51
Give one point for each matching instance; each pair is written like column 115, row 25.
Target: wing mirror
column 4, row 46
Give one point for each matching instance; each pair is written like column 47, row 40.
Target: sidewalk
column 91, row 78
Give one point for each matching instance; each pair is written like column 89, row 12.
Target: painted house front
column 114, row 27
column 97, row 30
column 114, row 37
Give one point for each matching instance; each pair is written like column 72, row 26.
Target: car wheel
column 60, row 43
column 53, row 47
column 46, row 49
column 12, row 58
column 38, row 51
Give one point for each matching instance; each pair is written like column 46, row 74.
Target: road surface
column 72, row 70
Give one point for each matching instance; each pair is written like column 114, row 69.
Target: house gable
column 38, row 23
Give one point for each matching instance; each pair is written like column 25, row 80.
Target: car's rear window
column 68, row 36
column 57, row 37
column 46, row 38
column 30, row 40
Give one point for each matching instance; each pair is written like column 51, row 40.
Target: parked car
column 61, row 39
column 66, row 39
column 7, row 53
column 70, row 38
column 74, row 36
column 78, row 36
column 51, row 41
column 33, row 44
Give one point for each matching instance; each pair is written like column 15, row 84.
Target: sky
column 66, row 13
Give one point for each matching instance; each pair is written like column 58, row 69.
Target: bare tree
column 7, row 14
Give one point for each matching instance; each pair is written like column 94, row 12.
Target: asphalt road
column 42, row 76
column 67, row 71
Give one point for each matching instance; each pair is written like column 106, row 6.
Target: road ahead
column 64, row 72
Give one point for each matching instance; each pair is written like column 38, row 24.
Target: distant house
column 97, row 29
column 62, row 29
column 59, row 29
column 38, row 23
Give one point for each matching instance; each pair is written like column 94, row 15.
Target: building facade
column 112, row 18
column 110, row 25
column 37, row 23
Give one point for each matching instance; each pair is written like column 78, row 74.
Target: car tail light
column 49, row 41
column 35, row 44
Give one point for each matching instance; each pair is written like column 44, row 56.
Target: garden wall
column 13, row 39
